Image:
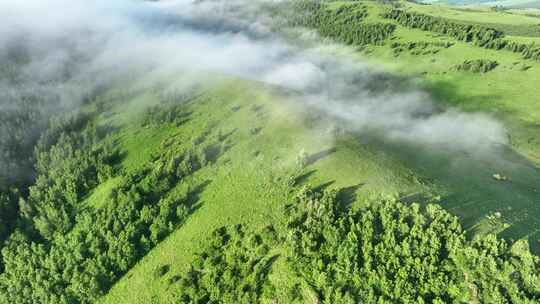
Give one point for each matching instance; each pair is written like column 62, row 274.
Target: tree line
column 479, row 35
column 27, row 106
column 419, row 47
column 477, row 65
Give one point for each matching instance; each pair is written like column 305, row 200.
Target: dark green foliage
column 476, row 34
column 387, row 252
column 157, row 115
column 24, row 157
column 22, row 118
column 20, row 128
column 477, row 66
column 67, row 171
column 523, row 30
column 419, row 47
column 344, row 24
column 25, row 108
column 161, row 271
column 80, row 265
column 395, row 253
column 29, row 97
column 69, row 252
column 528, row 51
column 497, row 273
column 8, row 211
column 233, row 268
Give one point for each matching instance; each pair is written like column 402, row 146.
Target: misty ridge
column 58, row 54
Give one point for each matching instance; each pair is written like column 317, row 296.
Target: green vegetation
column 233, row 268
column 203, row 196
column 477, row 66
column 66, row 252
column 419, row 47
column 478, row 35
column 387, row 252
column 152, row 227
column 343, row 24
column 435, row 50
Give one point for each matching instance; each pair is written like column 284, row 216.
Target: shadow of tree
column 347, row 196
column 194, row 196
column 302, row 179
column 311, row 159
column 447, row 93
column 322, row 187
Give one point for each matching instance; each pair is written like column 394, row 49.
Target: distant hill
column 522, row 4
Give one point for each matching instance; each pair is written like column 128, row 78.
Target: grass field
column 269, row 131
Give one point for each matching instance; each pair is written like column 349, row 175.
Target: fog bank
column 65, row 49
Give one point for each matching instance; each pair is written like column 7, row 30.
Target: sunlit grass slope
column 247, row 184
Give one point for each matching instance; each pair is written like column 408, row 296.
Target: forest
column 478, row 35
column 64, row 251
column 387, row 252
column 477, row 66
column 345, row 24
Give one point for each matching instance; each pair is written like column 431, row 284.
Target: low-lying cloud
column 73, row 46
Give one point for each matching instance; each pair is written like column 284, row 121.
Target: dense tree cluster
column 523, row 30
column 387, row 252
column 528, row 51
column 156, row 116
column 9, row 213
column 345, row 24
column 21, row 125
column 66, row 251
column 58, row 247
column 477, row 66
column 28, row 101
column 477, row 34
column 233, row 268
column 419, row 47
column 171, row 108
column 69, row 164
column 23, row 116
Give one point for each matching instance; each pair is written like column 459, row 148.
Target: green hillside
column 182, row 185
column 251, row 181
column 434, row 57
